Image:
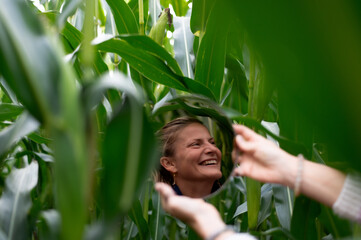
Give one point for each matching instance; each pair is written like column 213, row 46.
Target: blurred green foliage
column 85, row 85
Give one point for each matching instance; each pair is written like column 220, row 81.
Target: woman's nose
column 210, row 148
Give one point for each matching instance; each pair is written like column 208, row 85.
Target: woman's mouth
column 208, row 162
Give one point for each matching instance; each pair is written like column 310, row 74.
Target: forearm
column 318, row 181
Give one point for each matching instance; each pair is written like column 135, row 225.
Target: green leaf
column 74, row 37
column 236, row 78
column 147, row 64
column 183, row 42
column 338, row 227
column 180, row 7
column 9, row 111
column 284, row 204
column 303, row 224
column 15, row 201
column 30, row 67
column 123, row 16
column 200, row 13
column 212, row 50
column 137, row 216
column 147, row 44
column 9, row 136
column 125, row 165
column 266, row 203
column 157, row 219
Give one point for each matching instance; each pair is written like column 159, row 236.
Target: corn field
column 85, row 85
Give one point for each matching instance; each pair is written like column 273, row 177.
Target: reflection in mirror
column 195, row 147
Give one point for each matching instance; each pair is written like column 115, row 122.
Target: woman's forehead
column 194, row 131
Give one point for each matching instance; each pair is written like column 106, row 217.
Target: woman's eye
column 194, row 144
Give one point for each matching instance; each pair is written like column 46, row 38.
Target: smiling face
column 196, row 156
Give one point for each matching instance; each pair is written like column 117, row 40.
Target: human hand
column 199, row 215
column 260, row 158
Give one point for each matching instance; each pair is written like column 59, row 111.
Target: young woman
column 190, row 162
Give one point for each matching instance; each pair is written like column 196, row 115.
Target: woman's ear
column 168, row 164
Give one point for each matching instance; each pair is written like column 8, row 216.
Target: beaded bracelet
column 219, row 232
column 298, row 181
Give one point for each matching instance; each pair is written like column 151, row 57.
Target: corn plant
column 86, row 84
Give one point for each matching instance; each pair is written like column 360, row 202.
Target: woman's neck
column 195, row 189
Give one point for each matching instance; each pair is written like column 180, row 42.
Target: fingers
column 165, row 190
column 244, row 131
column 244, row 146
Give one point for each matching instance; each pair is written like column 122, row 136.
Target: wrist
column 206, row 226
column 289, row 171
column 221, row 233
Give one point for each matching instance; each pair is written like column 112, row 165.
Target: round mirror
column 196, row 141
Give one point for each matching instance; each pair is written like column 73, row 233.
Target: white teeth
column 209, row 162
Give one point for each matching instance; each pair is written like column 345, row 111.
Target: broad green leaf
column 30, row 67
column 15, row 201
column 125, row 166
column 147, row 44
column 183, row 42
column 39, row 138
column 200, row 12
column 9, row 111
column 9, row 136
column 180, row 7
column 265, row 206
column 338, row 227
column 74, row 37
column 123, row 16
column 284, row 204
column 266, row 203
column 137, row 217
column 236, row 78
column 212, row 50
column 152, row 67
column 147, row 64
column 303, row 224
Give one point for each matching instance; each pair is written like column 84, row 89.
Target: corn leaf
column 9, row 136
column 125, row 166
column 15, row 201
column 9, row 111
column 212, row 50
column 29, row 67
column 200, row 12
column 183, row 42
column 284, row 204
column 123, row 16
